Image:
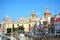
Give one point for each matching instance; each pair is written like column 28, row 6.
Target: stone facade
column 26, row 22
column 47, row 15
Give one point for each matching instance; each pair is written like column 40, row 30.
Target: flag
column 55, row 20
column 59, row 19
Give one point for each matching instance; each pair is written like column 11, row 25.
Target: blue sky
column 18, row 8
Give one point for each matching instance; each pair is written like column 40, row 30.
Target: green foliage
column 20, row 28
column 52, row 28
column 14, row 29
column 8, row 30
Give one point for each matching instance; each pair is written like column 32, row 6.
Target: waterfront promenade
column 32, row 38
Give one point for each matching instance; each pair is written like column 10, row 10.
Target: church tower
column 47, row 13
column 32, row 19
column 8, row 22
column 33, row 16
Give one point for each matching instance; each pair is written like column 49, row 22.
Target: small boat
column 22, row 36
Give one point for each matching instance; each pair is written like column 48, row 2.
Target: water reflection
column 4, row 38
column 0, row 38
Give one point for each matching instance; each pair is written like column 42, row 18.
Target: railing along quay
column 45, row 37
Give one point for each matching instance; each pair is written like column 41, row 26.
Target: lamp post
column 29, row 27
column 12, row 29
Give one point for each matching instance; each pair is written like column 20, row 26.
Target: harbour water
column 0, row 38
column 3, row 38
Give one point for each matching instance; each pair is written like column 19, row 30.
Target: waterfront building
column 47, row 15
column 28, row 23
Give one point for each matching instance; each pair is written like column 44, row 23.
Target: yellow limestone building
column 26, row 22
column 47, row 15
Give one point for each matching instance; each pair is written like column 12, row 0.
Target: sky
column 16, row 9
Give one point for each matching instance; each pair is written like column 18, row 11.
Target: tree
column 21, row 29
column 13, row 28
column 8, row 30
column 52, row 28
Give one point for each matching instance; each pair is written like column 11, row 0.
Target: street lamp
column 29, row 27
column 12, row 29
